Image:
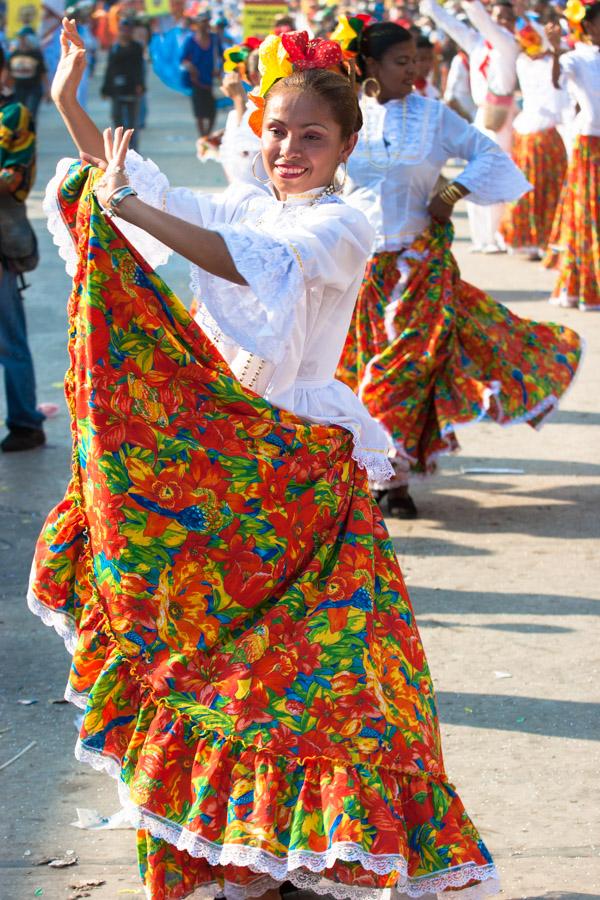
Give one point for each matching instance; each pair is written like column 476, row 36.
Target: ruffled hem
column 134, row 734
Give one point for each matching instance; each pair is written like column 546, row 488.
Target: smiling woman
column 244, row 645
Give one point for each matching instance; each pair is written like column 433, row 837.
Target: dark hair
column 376, row 40
column 2, row 59
column 591, row 12
column 335, row 89
column 423, row 43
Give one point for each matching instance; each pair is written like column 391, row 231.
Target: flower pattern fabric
column 575, row 239
column 428, row 352
column 243, row 644
column 542, row 158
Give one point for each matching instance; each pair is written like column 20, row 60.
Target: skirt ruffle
column 527, row 222
column 244, row 648
column 427, row 352
column 574, row 246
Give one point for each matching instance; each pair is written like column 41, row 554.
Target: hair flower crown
column 348, row 32
column 234, row 58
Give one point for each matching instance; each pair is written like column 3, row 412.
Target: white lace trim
column 398, row 132
column 146, row 178
column 63, row 623
column 258, row 317
column 301, row 867
column 55, row 222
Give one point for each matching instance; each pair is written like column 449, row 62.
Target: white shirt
column 458, row 85
column 543, row 105
column 238, row 148
column 283, row 333
column 401, row 150
column 493, row 68
column 581, row 69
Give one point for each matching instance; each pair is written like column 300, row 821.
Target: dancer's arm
column 201, row 246
column 497, row 36
column 461, row 34
column 554, row 35
column 85, row 133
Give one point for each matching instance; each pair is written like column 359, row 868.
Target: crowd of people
column 244, row 647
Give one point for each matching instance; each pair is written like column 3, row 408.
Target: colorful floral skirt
column 428, row 352
column 243, row 644
column 528, row 221
column 574, row 245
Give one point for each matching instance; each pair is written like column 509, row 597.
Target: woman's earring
column 376, row 87
column 340, row 185
column 258, row 156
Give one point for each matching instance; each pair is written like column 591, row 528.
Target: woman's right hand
column 71, row 65
column 554, row 35
column 232, row 86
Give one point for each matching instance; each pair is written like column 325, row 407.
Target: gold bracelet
column 451, row 194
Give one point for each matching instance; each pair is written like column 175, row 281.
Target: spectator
column 28, row 71
column 124, row 80
column 17, row 254
column 202, row 63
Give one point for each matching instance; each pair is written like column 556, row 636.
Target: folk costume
column 426, row 351
column 244, row 647
column 538, row 149
column 576, row 232
column 492, row 52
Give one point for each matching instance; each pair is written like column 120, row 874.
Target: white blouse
column 282, row 334
column 458, row 85
column 544, row 107
column 401, row 150
column 581, row 68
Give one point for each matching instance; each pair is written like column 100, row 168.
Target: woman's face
column 396, row 71
column 302, row 144
column 592, row 29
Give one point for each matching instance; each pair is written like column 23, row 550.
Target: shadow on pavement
column 514, row 627
column 422, row 546
column 443, row 600
column 530, row 715
column 564, row 467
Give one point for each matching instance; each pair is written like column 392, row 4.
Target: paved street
column 504, row 573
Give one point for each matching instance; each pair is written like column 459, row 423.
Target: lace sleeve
column 55, row 223
column 258, row 317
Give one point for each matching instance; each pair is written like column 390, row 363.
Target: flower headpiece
column 280, row 55
column 347, row 33
column 531, row 41
column 575, row 12
column 234, row 58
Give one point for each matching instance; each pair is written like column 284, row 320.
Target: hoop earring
column 377, row 89
column 338, row 188
column 254, row 161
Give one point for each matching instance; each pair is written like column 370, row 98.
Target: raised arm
column 497, row 36
column 85, row 134
column 460, row 33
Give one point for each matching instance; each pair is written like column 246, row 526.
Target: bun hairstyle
column 334, row 88
column 592, row 11
column 376, row 40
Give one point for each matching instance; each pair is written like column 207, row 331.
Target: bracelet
column 117, row 197
column 451, row 194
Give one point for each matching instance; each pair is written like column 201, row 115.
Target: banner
column 157, row 7
column 258, row 17
column 21, row 13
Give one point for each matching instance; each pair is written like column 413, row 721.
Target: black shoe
column 401, row 505
column 23, row 439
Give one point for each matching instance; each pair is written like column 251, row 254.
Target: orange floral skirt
column 527, row 222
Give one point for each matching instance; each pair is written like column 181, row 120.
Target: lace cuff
column 258, row 317
column 56, row 226
column 492, row 177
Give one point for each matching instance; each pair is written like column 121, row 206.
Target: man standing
column 202, row 63
column 28, row 71
column 124, row 80
column 17, row 169
column 492, row 50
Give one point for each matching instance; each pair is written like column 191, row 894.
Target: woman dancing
column 426, row 351
column 577, row 225
column 244, row 647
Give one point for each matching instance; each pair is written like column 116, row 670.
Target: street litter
column 83, row 888
column 58, row 702
column 468, row 709
column 69, row 858
column 17, row 756
column 92, row 820
column 502, row 674
column 488, row 470
column 39, row 892
column 26, row 702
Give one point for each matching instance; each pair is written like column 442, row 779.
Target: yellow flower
column 575, row 12
column 273, row 63
column 343, row 33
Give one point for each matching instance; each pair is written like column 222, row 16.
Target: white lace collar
column 399, row 131
column 307, row 198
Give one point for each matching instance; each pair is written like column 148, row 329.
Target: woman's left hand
column 439, row 210
column 115, row 150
